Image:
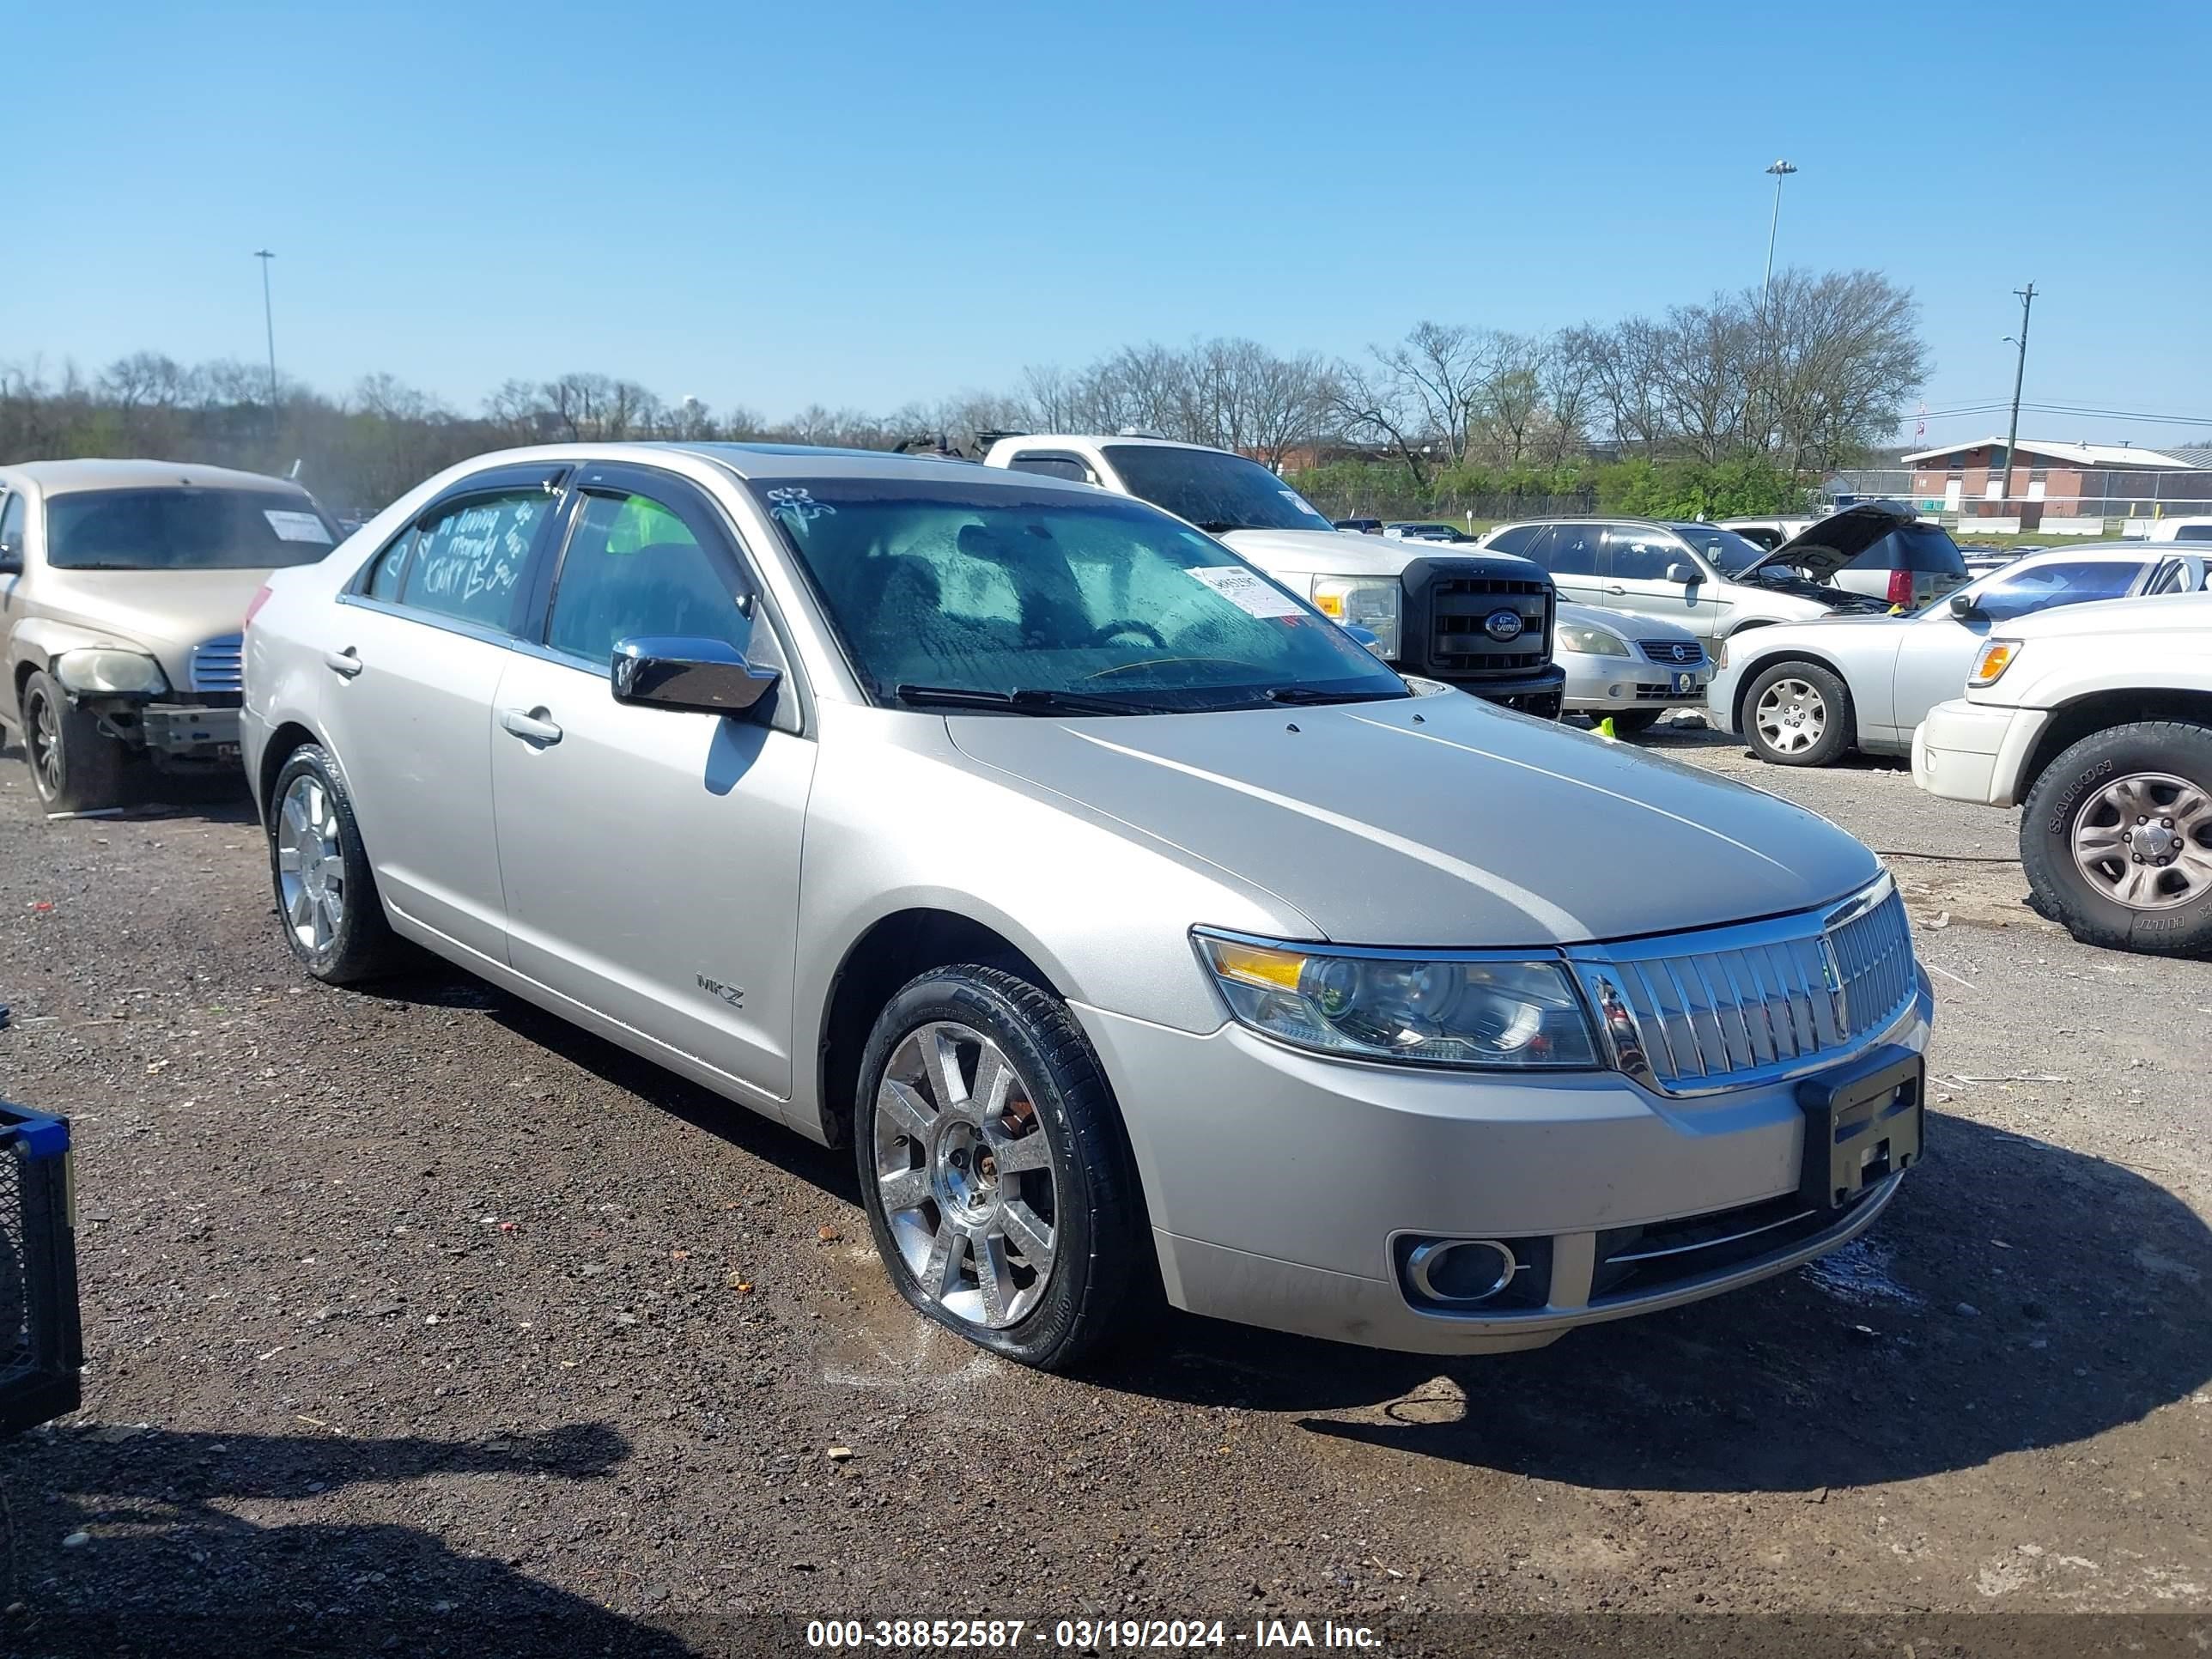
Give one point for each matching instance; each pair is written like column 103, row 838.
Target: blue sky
column 858, row 205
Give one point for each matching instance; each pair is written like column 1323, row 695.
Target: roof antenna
column 294, row 473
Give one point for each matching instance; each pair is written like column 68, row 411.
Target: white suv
column 2098, row 719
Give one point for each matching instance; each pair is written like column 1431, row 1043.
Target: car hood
column 1833, row 542
column 1621, row 622
column 1348, row 553
column 165, row 611
column 1473, row 827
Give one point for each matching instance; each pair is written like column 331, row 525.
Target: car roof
column 64, row 477
column 2096, row 553
column 1026, row 438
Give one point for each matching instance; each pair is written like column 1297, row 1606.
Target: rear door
column 651, row 855
column 1575, row 554
column 413, row 653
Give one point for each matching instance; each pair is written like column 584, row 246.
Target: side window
column 1516, row 539
column 1051, row 466
column 468, row 560
column 1642, row 556
column 11, row 527
column 384, row 574
column 634, row 570
column 1572, row 549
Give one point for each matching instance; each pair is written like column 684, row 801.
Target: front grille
column 1668, row 694
column 1459, row 643
column 219, row 664
column 1676, row 653
column 1640, row 1261
column 1716, row 1009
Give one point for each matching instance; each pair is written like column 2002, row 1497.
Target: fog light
column 1461, row 1271
column 1616, row 690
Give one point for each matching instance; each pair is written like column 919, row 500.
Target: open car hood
column 1835, row 541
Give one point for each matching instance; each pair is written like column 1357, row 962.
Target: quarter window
column 635, row 570
column 468, row 560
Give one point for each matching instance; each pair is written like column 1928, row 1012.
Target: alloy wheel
column 310, row 863
column 1791, row 717
column 965, row 1174
column 43, row 738
column 2145, row 841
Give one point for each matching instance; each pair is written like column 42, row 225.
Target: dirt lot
column 417, row 1318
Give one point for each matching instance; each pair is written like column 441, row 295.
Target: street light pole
column 1781, row 170
column 2026, row 297
column 269, row 326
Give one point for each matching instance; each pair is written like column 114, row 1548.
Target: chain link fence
column 1465, row 510
column 2055, row 501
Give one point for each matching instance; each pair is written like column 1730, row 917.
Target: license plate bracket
column 1860, row 1126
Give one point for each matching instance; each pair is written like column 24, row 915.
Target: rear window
column 1923, row 548
column 185, row 529
column 2193, row 532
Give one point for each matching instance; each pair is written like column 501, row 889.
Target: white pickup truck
column 1478, row 620
column 2098, row 719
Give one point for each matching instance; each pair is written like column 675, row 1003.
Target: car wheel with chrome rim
column 993, row 1167
column 1797, row 714
column 326, row 899
column 2116, row 838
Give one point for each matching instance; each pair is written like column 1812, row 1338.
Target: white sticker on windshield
column 296, row 526
column 1302, row 504
column 1246, row 590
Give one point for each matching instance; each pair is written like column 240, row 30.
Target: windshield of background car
column 1723, row 550
column 1208, row 486
column 2013, row 593
column 972, row 585
column 185, row 529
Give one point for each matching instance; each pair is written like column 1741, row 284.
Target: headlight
column 104, row 673
column 1997, row 656
column 1594, row 641
column 1368, row 602
column 1436, row 1012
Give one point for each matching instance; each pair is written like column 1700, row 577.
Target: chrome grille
column 219, row 664
column 1739, row 1005
column 1679, row 654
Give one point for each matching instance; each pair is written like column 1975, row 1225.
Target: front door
column 651, row 855
column 1637, row 562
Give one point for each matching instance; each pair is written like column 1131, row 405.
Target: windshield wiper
column 1022, row 700
column 1306, row 693
column 1219, row 527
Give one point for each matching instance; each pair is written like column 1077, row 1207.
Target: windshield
column 185, row 529
column 1723, row 550
column 973, row 586
column 1214, row 490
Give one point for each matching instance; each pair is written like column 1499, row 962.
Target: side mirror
column 704, row 677
column 1687, row 575
column 1964, row 608
column 1366, row 636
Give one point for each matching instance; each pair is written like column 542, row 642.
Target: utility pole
column 1781, row 170
column 269, row 325
column 2026, row 297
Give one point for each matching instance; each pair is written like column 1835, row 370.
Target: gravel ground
column 418, row 1319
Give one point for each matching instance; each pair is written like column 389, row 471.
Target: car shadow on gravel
column 159, row 1542
column 2016, row 1296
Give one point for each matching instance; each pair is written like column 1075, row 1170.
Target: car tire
column 326, row 898
column 947, row 1204
column 1812, row 715
column 1633, row 722
column 75, row 766
column 2079, row 849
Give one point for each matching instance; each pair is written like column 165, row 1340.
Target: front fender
column 39, row 639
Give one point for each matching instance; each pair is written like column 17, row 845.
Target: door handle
column 344, row 663
column 1616, row 589
column 532, row 728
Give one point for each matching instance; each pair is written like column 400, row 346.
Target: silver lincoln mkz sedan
column 1120, row 910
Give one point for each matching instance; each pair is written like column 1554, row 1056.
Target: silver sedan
column 1130, row 922
column 1630, row 670
column 1806, row 694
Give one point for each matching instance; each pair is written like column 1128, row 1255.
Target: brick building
column 2084, row 483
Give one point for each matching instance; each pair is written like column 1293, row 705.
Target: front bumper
column 1283, row 1186
column 1610, row 685
column 176, row 733
column 1972, row 751
column 1538, row 692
